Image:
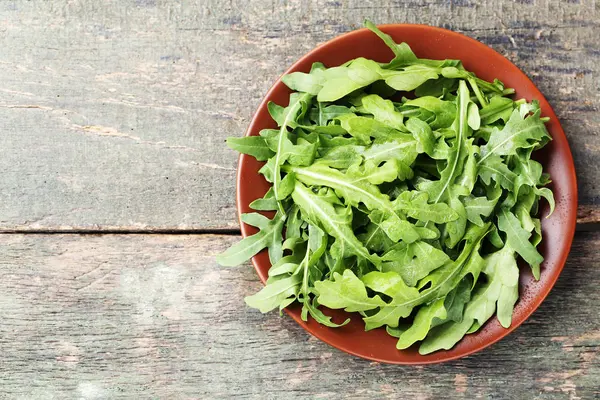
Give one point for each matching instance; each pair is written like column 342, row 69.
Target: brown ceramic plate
column 558, row 230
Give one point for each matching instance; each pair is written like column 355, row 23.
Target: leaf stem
column 291, row 114
column 490, row 86
column 482, row 101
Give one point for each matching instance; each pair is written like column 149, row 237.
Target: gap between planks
column 124, row 231
column 581, row 227
column 588, row 220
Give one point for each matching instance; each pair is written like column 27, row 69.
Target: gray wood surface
column 113, row 114
column 154, row 317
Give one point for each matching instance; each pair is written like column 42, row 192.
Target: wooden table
column 117, row 190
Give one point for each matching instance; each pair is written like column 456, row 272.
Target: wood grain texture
column 113, row 117
column 588, row 216
column 153, row 316
column 114, row 113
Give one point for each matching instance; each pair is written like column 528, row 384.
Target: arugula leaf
column 346, row 291
column 268, row 172
column 269, row 236
column 455, row 229
column 389, row 171
column 445, row 336
column 440, row 87
column 383, row 111
column 445, row 187
column 301, row 153
column 334, row 220
column 267, row 203
column 358, row 74
column 506, row 272
column 317, row 244
column 309, row 83
column 254, row 146
column 455, row 301
column 439, row 283
column 341, row 157
column 415, row 204
column 501, row 292
column 274, row 294
column 424, row 320
column 473, row 118
column 499, row 108
column 413, row 261
column 362, row 72
column 517, row 237
column 392, row 285
column 356, row 191
column 529, row 175
column 439, row 189
column 423, row 135
column 375, row 238
column 287, row 186
column 402, row 53
column 364, row 128
column 535, row 241
column 475, row 207
column 322, row 115
column 443, row 111
column 494, row 168
column 293, row 223
column 411, row 77
column 320, row 317
column 298, row 103
column 523, row 209
column 402, row 148
column 288, row 264
column 519, row 133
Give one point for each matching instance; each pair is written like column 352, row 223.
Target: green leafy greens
column 411, row 212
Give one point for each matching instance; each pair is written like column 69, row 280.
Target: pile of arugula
column 411, row 212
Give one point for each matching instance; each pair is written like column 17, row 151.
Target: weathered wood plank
column 153, row 316
column 114, row 113
column 588, row 216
